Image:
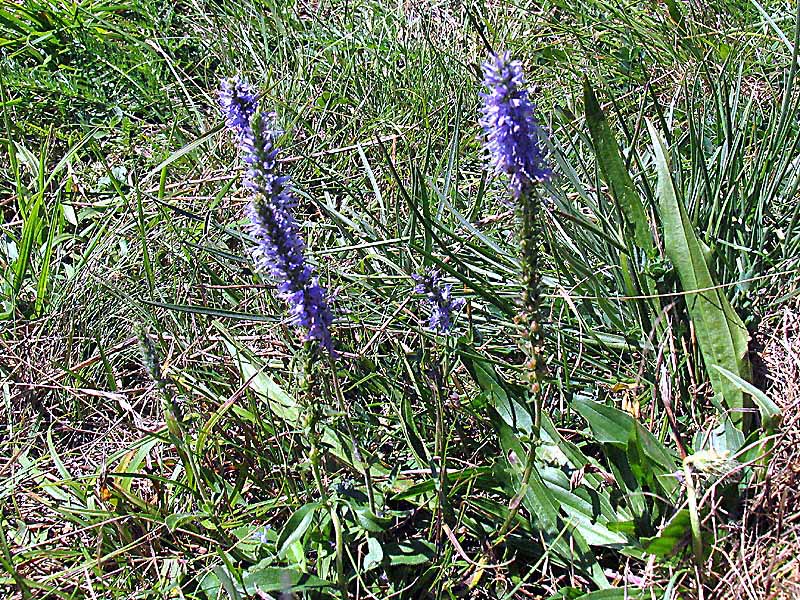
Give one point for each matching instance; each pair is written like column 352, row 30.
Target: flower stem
column 694, row 518
column 315, row 457
column 529, row 319
column 360, row 463
column 337, row 527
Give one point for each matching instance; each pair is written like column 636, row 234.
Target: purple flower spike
column 238, row 102
column 512, row 133
column 443, row 305
column 280, row 248
column 280, row 251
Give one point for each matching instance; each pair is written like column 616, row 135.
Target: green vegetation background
column 122, row 207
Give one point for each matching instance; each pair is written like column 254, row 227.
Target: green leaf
column 296, row 527
column 770, row 413
column 210, row 585
column 583, row 513
column 281, row 579
column 675, row 13
column 56, row 223
column 721, row 334
column 770, row 420
column 429, row 485
column 537, row 498
column 609, row 425
column 674, row 536
column 31, row 229
column 369, row 521
column 512, row 412
column 616, row 173
column 228, row 584
column 725, row 437
column 410, row 430
column 415, row 552
column 281, row 404
column 634, row 452
column 175, row 520
column 374, row 554
column 565, row 538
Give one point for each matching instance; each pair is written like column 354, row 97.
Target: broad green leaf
column 721, row 334
column 566, row 538
column 537, row 499
column 175, row 520
column 634, row 451
column 725, row 437
column 429, row 485
column 635, row 224
column 609, row 425
column 374, row 554
column 210, row 586
column 281, row 404
column 625, row 474
column 414, row 552
column 281, row 579
column 370, row 521
column 296, row 527
column 654, row 449
column 770, row 419
column 285, row 407
column 674, row 536
column 512, row 412
column 583, row 513
column 411, row 432
column 228, row 584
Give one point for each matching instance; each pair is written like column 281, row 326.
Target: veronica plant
column 280, row 251
column 238, row 102
column 443, row 307
column 513, row 143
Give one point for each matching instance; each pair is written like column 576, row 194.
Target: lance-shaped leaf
column 615, row 173
column 721, row 334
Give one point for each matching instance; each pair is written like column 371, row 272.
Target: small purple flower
column 238, row 102
column 261, row 534
column 512, row 133
column 443, row 305
column 280, row 250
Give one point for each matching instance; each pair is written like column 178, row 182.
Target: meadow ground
column 165, row 431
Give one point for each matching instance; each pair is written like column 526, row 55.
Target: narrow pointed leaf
column 615, row 173
column 721, row 334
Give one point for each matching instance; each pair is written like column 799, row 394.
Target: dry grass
column 765, row 564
